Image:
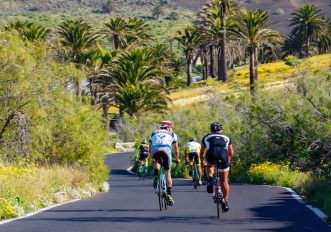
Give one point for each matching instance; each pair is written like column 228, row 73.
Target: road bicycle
column 144, row 170
column 195, row 175
column 218, row 195
column 161, row 189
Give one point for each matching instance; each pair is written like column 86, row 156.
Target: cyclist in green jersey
column 142, row 155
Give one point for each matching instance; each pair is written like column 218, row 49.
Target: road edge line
column 319, row 213
column 131, row 172
column 36, row 212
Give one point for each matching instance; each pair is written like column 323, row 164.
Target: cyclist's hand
column 178, row 161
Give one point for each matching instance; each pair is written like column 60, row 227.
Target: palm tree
column 36, row 33
column 77, row 36
column 215, row 18
column 252, row 28
column 117, row 26
column 309, row 25
column 189, row 39
column 28, row 30
column 224, row 5
column 136, row 83
column 96, row 61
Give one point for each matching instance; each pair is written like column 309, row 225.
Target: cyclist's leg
column 210, row 166
column 156, row 166
column 191, row 158
column 224, row 176
column 224, row 179
column 197, row 161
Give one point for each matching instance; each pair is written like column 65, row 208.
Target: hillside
column 279, row 10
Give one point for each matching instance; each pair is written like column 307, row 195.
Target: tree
column 215, row 18
column 77, row 36
column 309, row 25
column 136, row 83
column 157, row 11
column 189, row 39
column 252, row 28
column 128, row 33
column 28, row 30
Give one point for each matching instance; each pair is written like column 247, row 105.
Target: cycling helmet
column 191, row 139
column 216, row 127
column 166, row 124
column 144, row 141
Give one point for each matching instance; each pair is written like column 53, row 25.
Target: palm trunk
column 212, row 61
column 251, row 70
column 78, row 89
column 105, row 115
column 256, row 65
column 205, row 63
column 189, row 59
column 116, row 41
column 189, row 71
column 223, row 75
column 219, row 65
column 307, row 47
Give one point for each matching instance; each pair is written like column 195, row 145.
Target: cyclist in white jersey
column 162, row 142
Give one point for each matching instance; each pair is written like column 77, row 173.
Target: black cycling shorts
column 162, row 158
column 143, row 157
column 195, row 156
column 218, row 154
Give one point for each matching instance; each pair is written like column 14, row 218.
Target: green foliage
column 291, row 60
column 40, row 119
column 173, row 16
column 310, row 26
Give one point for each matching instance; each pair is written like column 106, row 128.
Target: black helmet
column 144, row 141
column 191, row 139
column 216, row 127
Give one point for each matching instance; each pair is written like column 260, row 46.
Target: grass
column 268, row 73
column 27, row 188
column 313, row 190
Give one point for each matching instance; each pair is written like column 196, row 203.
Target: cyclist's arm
column 176, row 150
column 138, row 151
column 202, row 153
column 150, row 147
column 231, row 151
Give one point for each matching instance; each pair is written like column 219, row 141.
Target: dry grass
column 277, row 72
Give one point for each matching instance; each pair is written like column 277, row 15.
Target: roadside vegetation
column 64, row 86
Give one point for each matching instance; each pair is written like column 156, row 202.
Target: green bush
column 42, row 120
column 292, row 60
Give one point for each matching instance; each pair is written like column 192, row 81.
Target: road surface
column 131, row 205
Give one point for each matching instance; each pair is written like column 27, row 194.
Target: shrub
column 291, row 60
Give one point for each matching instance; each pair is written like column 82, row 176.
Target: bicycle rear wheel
column 195, row 177
column 160, row 194
column 217, row 194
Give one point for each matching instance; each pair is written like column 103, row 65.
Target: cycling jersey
column 217, row 150
column 193, row 147
column 163, row 138
column 162, row 141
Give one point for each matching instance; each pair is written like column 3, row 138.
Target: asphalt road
column 131, row 205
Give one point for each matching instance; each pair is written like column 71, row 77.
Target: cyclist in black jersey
column 217, row 147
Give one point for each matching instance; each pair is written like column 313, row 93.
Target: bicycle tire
column 164, row 195
column 217, row 193
column 160, row 193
